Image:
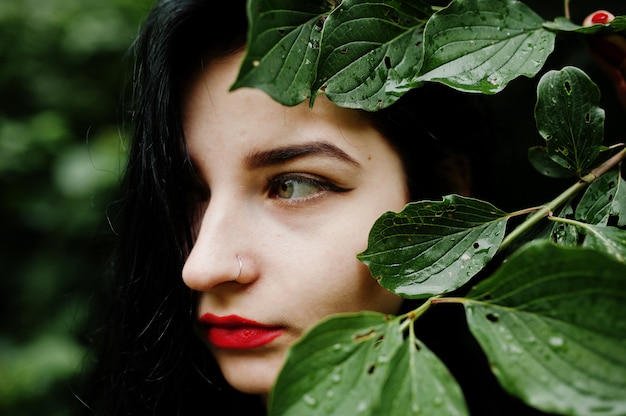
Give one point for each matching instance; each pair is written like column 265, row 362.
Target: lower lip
column 242, row 337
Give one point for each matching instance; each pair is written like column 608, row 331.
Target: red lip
column 235, row 332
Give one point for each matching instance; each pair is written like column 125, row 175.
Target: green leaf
column 371, row 52
column 565, row 25
column 610, row 240
column 569, row 119
column 433, row 247
column 361, row 364
column 565, row 233
column 481, row 45
column 419, row 383
column 541, row 161
column 282, row 48
column 360, row 54
column 552, row 323
column 603, row 200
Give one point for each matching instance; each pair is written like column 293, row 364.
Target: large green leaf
column 360, row 54
column 481, row 45
column 419, row 384
column 360, row 364
column 283, row 48
column 367, row 54
column 603, row 200
column 569, row 119
column 552, row 321
column 371, row 52
column 433, row 247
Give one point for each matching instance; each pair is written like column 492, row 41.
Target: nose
column 220, row 254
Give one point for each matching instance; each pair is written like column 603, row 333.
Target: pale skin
column 293, row 193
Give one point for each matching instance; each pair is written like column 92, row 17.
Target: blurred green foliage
column 61, row 153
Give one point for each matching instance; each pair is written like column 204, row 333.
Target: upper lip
column 230, row 321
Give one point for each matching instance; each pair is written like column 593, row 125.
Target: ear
column 455, row 173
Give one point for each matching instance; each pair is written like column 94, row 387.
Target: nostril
column 206, row 268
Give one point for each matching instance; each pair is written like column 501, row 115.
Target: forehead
column 218, row 121
column 209, row 91
column 207, row 100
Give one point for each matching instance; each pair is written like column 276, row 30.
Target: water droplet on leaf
column 556, row 341
column 310, row 400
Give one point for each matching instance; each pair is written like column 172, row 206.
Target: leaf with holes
column 552, row 321
column 361, row 364
column 283, row 48
column 371, row 52
column 360, row 54
column 569, row 119
column 433, row 247
column 481, row 45
column 604, row 201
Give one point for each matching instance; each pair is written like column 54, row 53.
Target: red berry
column 600, row 17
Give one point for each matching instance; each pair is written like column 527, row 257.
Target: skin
column 296, row 223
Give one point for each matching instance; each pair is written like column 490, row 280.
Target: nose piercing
column 240, row 268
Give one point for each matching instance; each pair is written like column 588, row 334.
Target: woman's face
column 291, row 194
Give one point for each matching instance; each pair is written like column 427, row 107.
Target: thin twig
column 573, row 190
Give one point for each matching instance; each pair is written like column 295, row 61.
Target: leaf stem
column 607, row 165
column 580, row 224
column 417, row 312
column 568, row 15
column 573, row 190
column 449, row 300
column 586, row 227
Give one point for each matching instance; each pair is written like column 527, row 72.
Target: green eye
column 293, row 187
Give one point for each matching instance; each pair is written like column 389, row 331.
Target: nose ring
column 240, row 268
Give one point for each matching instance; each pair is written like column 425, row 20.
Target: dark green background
column 62, row 147
column 61, row 152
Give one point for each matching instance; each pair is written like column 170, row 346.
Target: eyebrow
column 280, row 155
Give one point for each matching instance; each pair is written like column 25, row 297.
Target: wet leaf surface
column 552, row 322
column 433, row 247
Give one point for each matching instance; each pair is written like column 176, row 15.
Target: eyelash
column 275, row 184
column 198, row 195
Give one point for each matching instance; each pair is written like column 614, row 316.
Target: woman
column 260, row 208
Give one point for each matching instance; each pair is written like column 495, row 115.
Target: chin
column 250, row 374
column 251, row 385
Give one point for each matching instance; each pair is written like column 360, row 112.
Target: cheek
column 354, row 286
column 365, row 293
column 346, row 285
